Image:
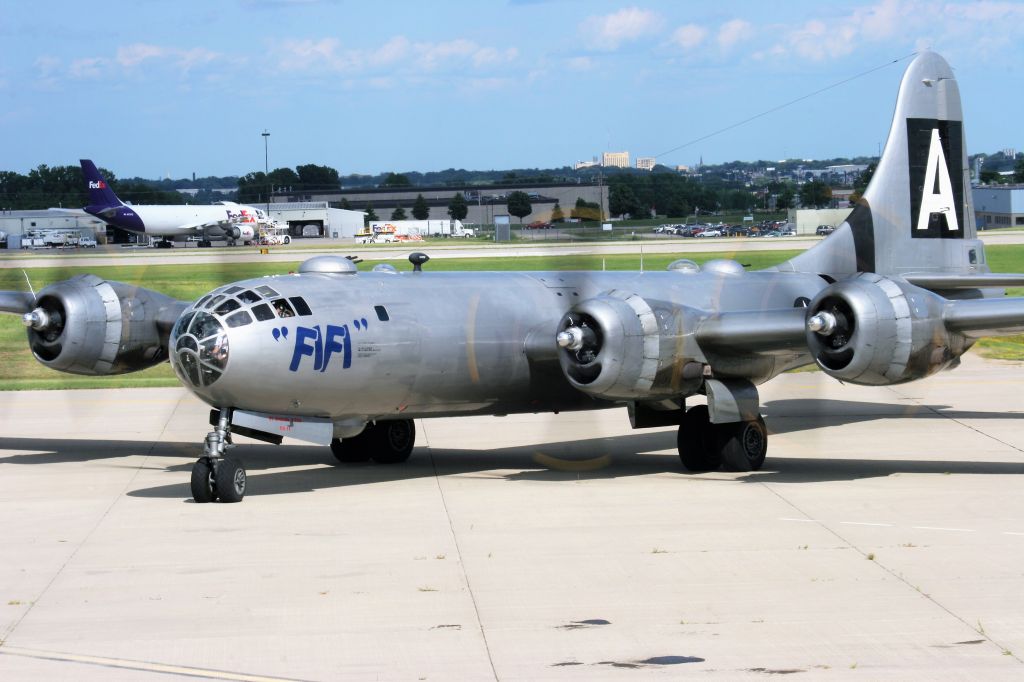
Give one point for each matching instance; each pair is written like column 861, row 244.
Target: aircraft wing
column 755, row 331
column 976, row 318
column 941, row 281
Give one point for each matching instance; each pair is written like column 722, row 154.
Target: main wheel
column 202, row 481
column 393, row 441
column 229, row 481
column 743, row 444
column 696, row 443
column 352, row 450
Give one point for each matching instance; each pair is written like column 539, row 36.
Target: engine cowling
column 87, row 325
column 620, row 346
column 879, row 331
column 240, row 231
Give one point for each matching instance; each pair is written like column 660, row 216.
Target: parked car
column 824, row 230
column 87, row 243
column 538, row 225
column 711, row 232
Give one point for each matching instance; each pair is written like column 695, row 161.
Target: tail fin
column 100, row 194
column 916, row 215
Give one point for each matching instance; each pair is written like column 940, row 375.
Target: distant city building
column 615, row 159
column 683, row 169
column 645, row 163
column 1010, row 153
column 584, row 164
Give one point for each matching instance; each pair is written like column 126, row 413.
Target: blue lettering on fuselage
column 321, row 345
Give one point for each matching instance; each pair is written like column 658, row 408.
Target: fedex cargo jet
column 227, row 219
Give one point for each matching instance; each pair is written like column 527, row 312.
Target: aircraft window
column 263, row 312
column 214, row 351
column 227, row 306
column 210, row 375
column 266, row 291
column 382, row 313
column 248, row 296
column 182, row 323
column 239, row 319
column 214, row 301
column 205, row 325
column 300, row 306
column 200, row 302
column 187, row 342
column 232, row 290
column 282, row 308
column 190, row 364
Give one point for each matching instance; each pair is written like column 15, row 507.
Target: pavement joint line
column 898, row 576
column 953, row 419
column 866, row 523
column 458, row 552
column 142, row 666
column 152, row 446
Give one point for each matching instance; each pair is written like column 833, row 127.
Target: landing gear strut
column 214, row 476
column 736, row 446
column 385, row 442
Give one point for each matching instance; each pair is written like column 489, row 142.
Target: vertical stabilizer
column 100, row 194
column 915, row 215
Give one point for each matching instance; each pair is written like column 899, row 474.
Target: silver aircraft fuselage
column 378, row 345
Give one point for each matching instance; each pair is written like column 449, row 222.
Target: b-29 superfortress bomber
column 350, row 359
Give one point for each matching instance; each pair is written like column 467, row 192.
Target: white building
column 16, row 224
column 645, row 163
column 313, row 219
column 615, row 159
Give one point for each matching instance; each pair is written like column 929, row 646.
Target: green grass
column 189, row 281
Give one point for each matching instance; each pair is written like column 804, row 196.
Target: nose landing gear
column 214, row 476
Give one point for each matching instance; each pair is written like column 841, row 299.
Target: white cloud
column 689, row 36
column 581, row 63
column 609, row 31
column 88, row 67
column 133, row 55
column 734, row 32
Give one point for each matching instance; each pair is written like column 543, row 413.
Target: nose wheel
column 214, row 476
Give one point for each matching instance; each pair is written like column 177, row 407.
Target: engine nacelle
column 240, row 231
column 86, row 325
column 619, row 346
column 877, row 331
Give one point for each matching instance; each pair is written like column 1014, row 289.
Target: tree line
column 64, row 187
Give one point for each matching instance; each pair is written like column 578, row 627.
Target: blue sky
column 152, row 88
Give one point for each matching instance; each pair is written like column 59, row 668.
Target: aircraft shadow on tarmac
column 634, row 454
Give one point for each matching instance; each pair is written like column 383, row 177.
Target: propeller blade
column 17, row 302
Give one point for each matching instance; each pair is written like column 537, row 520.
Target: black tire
column 229, row 480
column 393, row 441
column 697, row 446
column 352, row 450
column 202, row 482
column 744, row 445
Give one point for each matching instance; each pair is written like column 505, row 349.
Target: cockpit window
column 227, row 306
column 201, row 346
column 248, row 296
column 300, row 306
column 214, row 301
column 239, row 319
column 282, row 308
column 263, row 312
column 200, row 302
column 266, row 291
column 232, row 290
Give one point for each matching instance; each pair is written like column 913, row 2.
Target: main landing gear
column 214, row 476
column 385, row 442
column 736, row 446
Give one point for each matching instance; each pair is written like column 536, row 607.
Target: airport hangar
column 483, row 201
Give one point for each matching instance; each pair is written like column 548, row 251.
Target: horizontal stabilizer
column 985, row 317
column 756, row 331
column 17, row 302
column 940, row 281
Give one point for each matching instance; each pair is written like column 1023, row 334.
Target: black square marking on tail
column 939, row 224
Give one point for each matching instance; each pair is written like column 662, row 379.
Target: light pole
column 266, row 165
